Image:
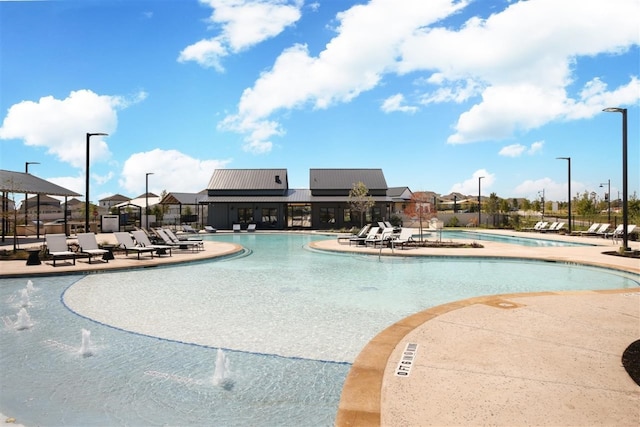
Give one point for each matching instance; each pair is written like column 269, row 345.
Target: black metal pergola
column 25, row 183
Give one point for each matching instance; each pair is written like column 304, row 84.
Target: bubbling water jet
column 24, row 298
column 85, row 348
column 24, row 320
column 221, row 372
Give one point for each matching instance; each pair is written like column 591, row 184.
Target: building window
column 299, row 216
column 346, row 217
column 327, row 216
column 270, row 217
column 245, row 215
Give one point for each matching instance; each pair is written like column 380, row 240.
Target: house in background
column 263, row 197
column 109, row 202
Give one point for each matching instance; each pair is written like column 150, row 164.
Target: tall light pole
column 608, row 199
column 479, row 201
column 542, row 199
column 86, row 193
column 568, row 159
column 26, row 170
column 146, row 196
column 625, row 211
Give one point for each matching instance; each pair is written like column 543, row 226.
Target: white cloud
column 243, row 23
column 60, row 125
column 553, row 191
column 395, row 103
column 518, row 62
column 535, row 147
column 470, row 186
column 172, row 171
column 352, row 62
column 516, row 150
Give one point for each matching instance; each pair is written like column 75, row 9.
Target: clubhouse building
column 263, row 197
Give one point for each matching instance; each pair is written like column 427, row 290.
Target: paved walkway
column 549, row 358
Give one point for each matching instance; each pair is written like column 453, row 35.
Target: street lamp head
column 614, row 110
column 97, row 134
column 563, row 158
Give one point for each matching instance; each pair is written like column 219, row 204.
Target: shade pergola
column 25, row 183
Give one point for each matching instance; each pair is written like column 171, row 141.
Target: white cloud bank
column 243, row 24
column 516, row 150
column 470, row 185
column 514, row 67
column 172, row 171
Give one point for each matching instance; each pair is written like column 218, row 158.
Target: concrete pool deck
column 550, row 358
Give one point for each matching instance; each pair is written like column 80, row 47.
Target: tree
column 420, row 207
column 585, row 205
column 360, row 200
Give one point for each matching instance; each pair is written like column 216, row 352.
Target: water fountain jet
column 85, row 348
column 24, row 320
column 221, row 372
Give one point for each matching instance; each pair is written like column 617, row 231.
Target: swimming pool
column 515, row 240
column 290, row 321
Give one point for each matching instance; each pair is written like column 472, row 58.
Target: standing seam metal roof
column 20, row 182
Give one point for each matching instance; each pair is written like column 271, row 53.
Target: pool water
column 289, row 319
column 515, row 240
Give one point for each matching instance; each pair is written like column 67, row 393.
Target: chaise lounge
column 127, row 243
column 89, row 246
column 58, row 249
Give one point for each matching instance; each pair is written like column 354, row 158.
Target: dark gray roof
column 249, row 179
column 20, row 182
column 343, row 179
column 292, row 196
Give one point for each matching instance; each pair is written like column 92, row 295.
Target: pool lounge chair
column 617, row 235
column 380, row 238
column 404, row 238
column 89, row 246
column 182, row 240
column 126, row 242
column 192, row 245
column 58, row 249
column 602, row 231
column 362, row 240
column 592, row 229
column 534, row 228
column 189, row 229
column 236, row 228
column 251, row 228
column 143, row 240
column 209, row 229
column 359, row 236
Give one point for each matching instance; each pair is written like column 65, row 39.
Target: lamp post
column 542, row 199
column 568, row 159
column 625, row 211
column 86, row 195
column 146, row 196
column 608, row 199
column 26, row 170
column 479, row 201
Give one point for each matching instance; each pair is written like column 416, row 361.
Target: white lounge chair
column 58, row 249
column 167, row 238
column 236, row 228
column 189, row 229
column 143, row 240
column 590, row 231
column 251, row 228
column 356, row 238
column 209, row 229
column 602, row 231
column 89, row 246
column 404, row 238
column 617, row 235
column 126, row 242
column 384, row 236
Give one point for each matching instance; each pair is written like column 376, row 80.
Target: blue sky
column 436, row 93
